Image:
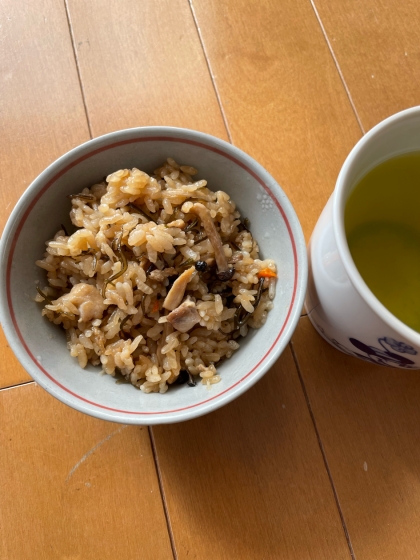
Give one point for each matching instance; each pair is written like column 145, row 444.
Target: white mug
column 339, row 304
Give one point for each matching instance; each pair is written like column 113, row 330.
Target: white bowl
column 40, row 346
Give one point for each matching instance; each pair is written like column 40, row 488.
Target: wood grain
column 42, row 113
column 42, row 107
column 283, row 98
column 376, row 43
column 246, row 481
column 11, row 372
column 75, row 487
column 142, row 64
column 368, row 417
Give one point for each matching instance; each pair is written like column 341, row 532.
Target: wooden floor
column 321, row 459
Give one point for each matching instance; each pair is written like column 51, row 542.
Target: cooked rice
column 148, row 228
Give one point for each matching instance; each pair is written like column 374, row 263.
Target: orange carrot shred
column 155, row 306
column 266, row 273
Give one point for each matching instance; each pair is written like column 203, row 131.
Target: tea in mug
column 382, row 222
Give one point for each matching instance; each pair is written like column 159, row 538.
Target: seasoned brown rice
column 159, row 280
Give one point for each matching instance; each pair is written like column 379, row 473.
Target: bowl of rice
column 151, row 275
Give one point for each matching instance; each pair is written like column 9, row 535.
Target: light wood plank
column 292, row 456
column 42, row 107
column 11, row 372
column 74, row 487
column 42, row 113
column 142, row 64
column 368, row 417
column 376, row 43
column 283, row 98
column 246, row 482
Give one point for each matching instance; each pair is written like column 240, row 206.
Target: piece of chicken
column 224, row 271
column 176, row 293
column 184, row 317
column 86, row 298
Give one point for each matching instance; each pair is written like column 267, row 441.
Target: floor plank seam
column 324, row 456
column 213, row 80
column 17, row 386
column 76, row 60
column 162, row 493
column 324, row 32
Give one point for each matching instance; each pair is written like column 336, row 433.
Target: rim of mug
column 339, row 201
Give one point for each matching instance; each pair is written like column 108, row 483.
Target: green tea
column 382, row 221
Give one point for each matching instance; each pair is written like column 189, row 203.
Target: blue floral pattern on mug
column 400, row 347
column 385, row 355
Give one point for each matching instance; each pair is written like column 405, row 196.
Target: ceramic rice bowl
column 40, row 345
